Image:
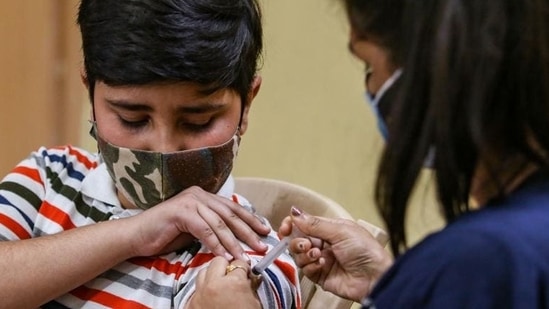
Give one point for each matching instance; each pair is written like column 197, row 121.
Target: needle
column 269, row 258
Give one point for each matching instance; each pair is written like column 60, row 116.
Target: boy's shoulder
column 67, row 155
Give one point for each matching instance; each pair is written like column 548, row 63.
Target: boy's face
column 168, row 117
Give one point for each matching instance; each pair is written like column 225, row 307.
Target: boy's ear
column 84, row 79
column 256, row 85
column 86, row 84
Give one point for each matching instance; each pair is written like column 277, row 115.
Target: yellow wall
column 38, row 77
column 310, row 124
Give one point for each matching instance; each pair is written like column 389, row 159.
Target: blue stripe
column 4, row 201
column 63, row 160
column 276, row 282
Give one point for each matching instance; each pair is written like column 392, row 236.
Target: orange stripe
column 105, row 299
column 197, row 261
column 157, row 263
column 14, row 226
column 200, row 259
column 166, row 267
column 79, row 156
column 288, row 270
column 82, row 158
column 29, row 172
column 57, row 215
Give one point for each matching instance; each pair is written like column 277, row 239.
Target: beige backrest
column 274, row 198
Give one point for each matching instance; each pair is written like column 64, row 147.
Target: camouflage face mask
column 147, row 178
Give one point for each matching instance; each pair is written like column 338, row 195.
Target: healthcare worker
column 473, row 87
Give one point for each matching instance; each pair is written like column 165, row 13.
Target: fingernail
column 321, row 261
column 228, row 257
column 296, row 212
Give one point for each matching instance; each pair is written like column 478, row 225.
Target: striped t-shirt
column 58, row 189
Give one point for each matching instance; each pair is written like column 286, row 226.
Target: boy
column 171, row 83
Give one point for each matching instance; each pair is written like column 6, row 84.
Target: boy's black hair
column 216, row 43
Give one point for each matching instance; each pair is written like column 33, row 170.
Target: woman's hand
column 220, row 287
column 214, row 220
column 350, row 261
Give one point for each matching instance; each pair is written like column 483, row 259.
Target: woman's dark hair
column 474, row 87
column 378, row 21
column 216, row 43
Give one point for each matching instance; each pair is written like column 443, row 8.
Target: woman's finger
column 308, row 257
column 300, row 245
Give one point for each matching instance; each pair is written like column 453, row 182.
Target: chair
column 273, row 199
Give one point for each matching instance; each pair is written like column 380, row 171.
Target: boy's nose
column 168, row 142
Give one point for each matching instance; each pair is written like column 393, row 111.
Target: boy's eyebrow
column 129, row 106
column 202, row 107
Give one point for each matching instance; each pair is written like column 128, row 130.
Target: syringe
column 277, row 250
column 269, row 258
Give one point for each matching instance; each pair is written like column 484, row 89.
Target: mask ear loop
column 93, row 132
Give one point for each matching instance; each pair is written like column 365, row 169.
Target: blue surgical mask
column 374, row 99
